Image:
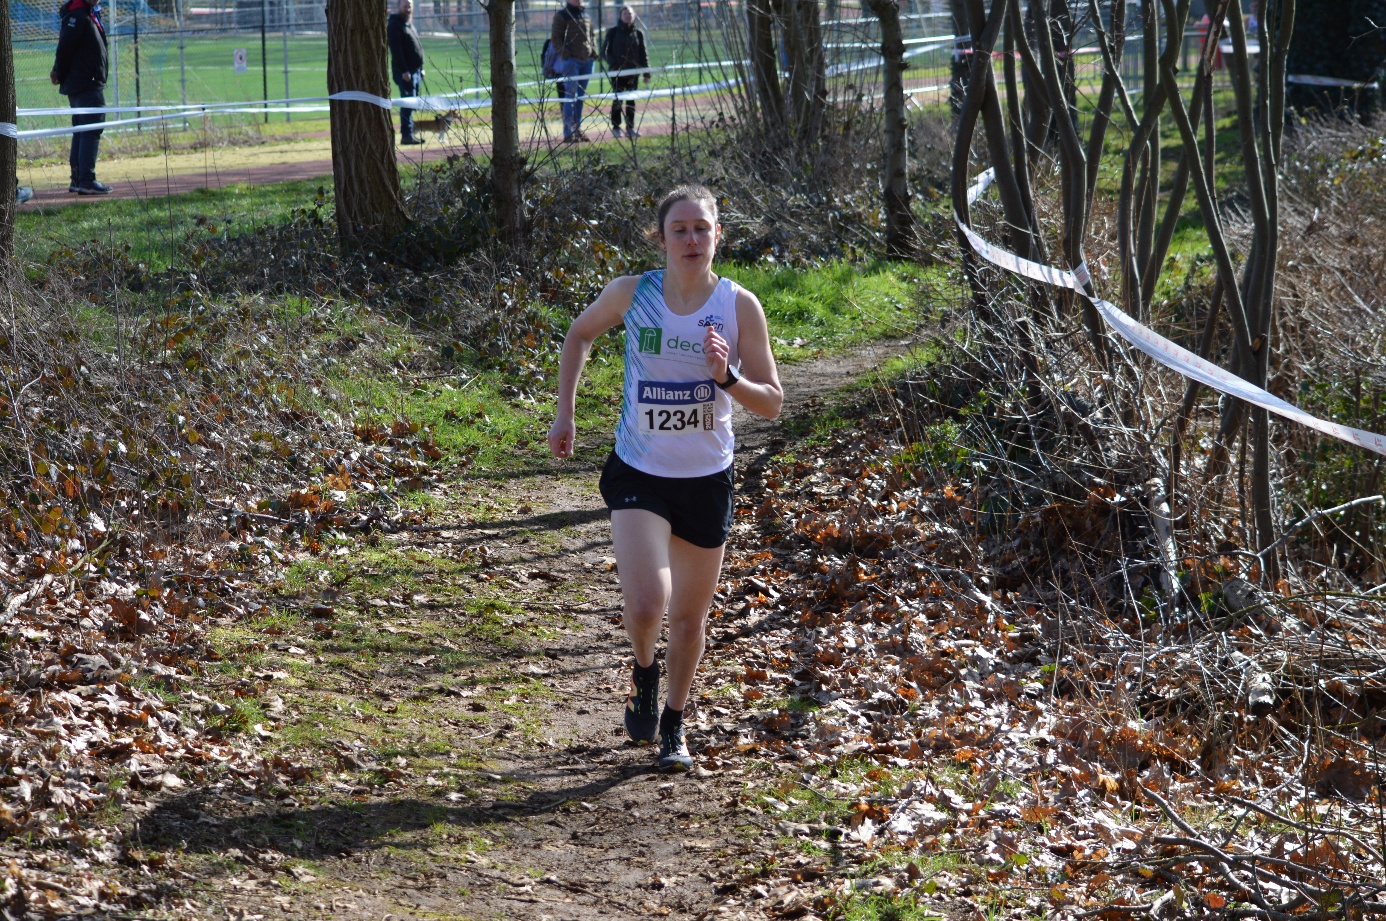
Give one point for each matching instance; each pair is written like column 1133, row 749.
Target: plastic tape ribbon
column 1167, row 353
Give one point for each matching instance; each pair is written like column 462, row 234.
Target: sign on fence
column 238, row 60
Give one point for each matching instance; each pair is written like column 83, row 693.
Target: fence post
column 182, row 61
column 288, row 116
column 137, row 59
column 264, row 57
column 476, row 47
column 115, row 49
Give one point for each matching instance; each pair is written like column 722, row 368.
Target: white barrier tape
column 655, row 94
column 1310, row 80
column 1152, row 343
column 432, row 102
column 1227, row 47
column 936, row 88
column 835, row 70
column 692, row 65
column 9, row 130
column 152, row 119
column 306, row 104
column 876, row 45
column 194, row 108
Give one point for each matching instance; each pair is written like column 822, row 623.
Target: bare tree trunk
column 9, row 147
column 899, row 217
column 370, row 206
column 808, row 79
column 765, row 69
column 507, row 164
column 962, row 43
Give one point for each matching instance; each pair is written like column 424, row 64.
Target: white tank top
column 675, row 422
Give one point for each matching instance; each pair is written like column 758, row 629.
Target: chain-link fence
column 249, row 51
column 217, row 51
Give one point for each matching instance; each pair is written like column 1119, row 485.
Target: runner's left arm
column 759, row 389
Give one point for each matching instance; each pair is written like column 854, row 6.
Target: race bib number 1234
column 675, row 408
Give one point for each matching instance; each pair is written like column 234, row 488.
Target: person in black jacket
column 79, row 70
column 624, row 49
column 406, row 63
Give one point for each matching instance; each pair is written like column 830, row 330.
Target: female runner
column 668, row 483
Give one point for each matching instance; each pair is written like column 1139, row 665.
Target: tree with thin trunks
column 1149, row 204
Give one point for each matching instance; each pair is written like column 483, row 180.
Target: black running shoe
column 673, row 750
column 642, row 708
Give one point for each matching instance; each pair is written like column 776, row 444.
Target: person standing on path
column 668, row 483
column 575, row 45
column 406, row 63
column 79, row 71
column 624, row 49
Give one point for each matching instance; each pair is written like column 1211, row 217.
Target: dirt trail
column 471, row 758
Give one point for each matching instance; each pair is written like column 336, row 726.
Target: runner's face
column 690, row 235
column 627, row 17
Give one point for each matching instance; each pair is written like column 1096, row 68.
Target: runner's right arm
column 607, row 311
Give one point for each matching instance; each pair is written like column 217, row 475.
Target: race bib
column 675, row 408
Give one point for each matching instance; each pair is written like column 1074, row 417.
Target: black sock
column 670, row 719
column 647, row 673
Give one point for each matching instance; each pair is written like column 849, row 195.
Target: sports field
column 452, row 63
column 294, row 65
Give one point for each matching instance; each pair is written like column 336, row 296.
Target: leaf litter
column 954, row 734
column 133, row 530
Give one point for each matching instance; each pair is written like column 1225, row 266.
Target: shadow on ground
column 190, row 823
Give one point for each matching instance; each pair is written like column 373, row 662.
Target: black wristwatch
column 732, row 378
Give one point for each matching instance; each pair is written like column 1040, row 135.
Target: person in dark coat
column 575, row 47
column 79, row 70
column 406, row 63
column 624, row 49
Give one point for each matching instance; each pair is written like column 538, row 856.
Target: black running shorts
column 698, row 509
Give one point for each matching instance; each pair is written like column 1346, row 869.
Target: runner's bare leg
column 641, row 540
column 694, row 572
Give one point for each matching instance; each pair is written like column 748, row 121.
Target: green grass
column 887, row 908
column 834, row 305
column 482, row 419
column 154, row 228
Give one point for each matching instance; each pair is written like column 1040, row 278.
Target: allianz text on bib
column 675, row 408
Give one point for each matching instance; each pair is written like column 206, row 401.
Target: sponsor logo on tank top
column 649, row 339
column 654, row 342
